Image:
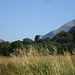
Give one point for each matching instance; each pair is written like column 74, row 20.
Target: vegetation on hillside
column 63, row 41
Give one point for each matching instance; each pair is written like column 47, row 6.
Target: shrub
column 16, row 45
column 4, row 48
column 63, row 37
column 73, row 34
column 27, row 41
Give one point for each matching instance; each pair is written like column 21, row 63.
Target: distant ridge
column 66, row 27
column 1, row 40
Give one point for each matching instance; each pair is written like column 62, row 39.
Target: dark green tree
column 63, row 37
column 27, row 41
column 4, row 48
column 73, row 34
column 46, row 40
column 16, row 45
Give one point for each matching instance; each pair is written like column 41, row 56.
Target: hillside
column 1, row 40
column 66, row 27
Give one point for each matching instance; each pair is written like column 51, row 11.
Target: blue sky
column 21, row 19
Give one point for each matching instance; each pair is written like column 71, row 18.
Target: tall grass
column 38, row 65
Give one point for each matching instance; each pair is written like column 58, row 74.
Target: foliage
column 27, row 41
column 73, row 34
column 48, row 39
column 4, row 48
column 15, row 47
column 16, row 44
column 63, row 37
column 61, row 42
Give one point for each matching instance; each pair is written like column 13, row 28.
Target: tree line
column 62, row 41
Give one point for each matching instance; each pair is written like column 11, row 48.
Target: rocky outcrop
column 38, row 37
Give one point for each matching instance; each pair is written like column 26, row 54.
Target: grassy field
column 38, row 65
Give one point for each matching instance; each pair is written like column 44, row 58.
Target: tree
column 27, row 41
column 63, row 37
column 46, row 40
column 16, row 45
column 4, row 48
column 73, row 34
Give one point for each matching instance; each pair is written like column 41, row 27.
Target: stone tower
column 38, row 37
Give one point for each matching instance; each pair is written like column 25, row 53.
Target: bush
column 73, row 34
column 4, row 48
column 27, row 41
column 63, row 37
column 48, row 39
column 16, row 45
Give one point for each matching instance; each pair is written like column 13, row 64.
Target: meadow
column 38, row 64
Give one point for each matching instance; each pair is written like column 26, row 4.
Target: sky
column 21, row 19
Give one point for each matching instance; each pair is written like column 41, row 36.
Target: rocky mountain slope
column 1, row 40
column 66, row 27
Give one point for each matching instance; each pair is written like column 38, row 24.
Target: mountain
column 73, row 28
column 66, row 27
column 1, row 40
